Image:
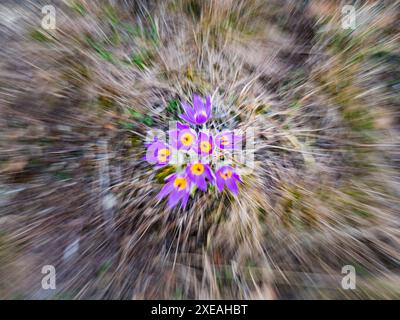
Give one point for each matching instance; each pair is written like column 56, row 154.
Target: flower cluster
column 188, row 140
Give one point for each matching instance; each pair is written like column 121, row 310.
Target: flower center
column 187, row 139
column 180, row 183
column 224, row 140
column 226, row 175
column 205, row 146
column 197, row 169
column 163, row 154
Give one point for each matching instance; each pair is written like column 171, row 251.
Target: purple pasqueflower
column 198, row 172
column 183, row 138
column 205, row 144
column 158, row 153
column 226, row 175
column 227, row 140
column 178, row 188
column 200, row 112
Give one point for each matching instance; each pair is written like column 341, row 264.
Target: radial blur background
column 77, row 101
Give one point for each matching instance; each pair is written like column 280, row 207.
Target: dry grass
column 76, row 104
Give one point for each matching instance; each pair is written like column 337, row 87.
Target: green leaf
column 62, row 175
column 193, row 191
column 111, row 15
column 148, row 121
column 40, row 36
column 153, row 31
column 138, row 60
column 127, row 125
column 164, row 172
column 172, row 106
column 101, row 51
column 78, row 7
column 104, row 268
column 133, row 30
column 136, row 115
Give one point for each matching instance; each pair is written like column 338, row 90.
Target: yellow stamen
column 226, row 175
column 163, row 154
column 205, row 146
column 224, row 140
column 180, row 183
column 197, row 169
column 187, row 139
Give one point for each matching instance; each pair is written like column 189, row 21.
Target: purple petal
column 173, row 138
column 226, row 168
column 220, row 182
column 188, row 109
column 183, row 116
column 188, row 172
column 185, row 200
column 201, row 117
column 209, row 174
column 166, row 189
column 147, row 144
column 152, row 150
column 151, row 153
column 173, row 199
column 181, row 126
column 160, row 165
column 235, row 142
column 201, row 182
column 237, row 177
column 203, row 136
column 231, row 184
column 236, row 138
column 198, row 104
column 229, row 142
column 170, row 177
column 150, row 158
column 218, row 140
